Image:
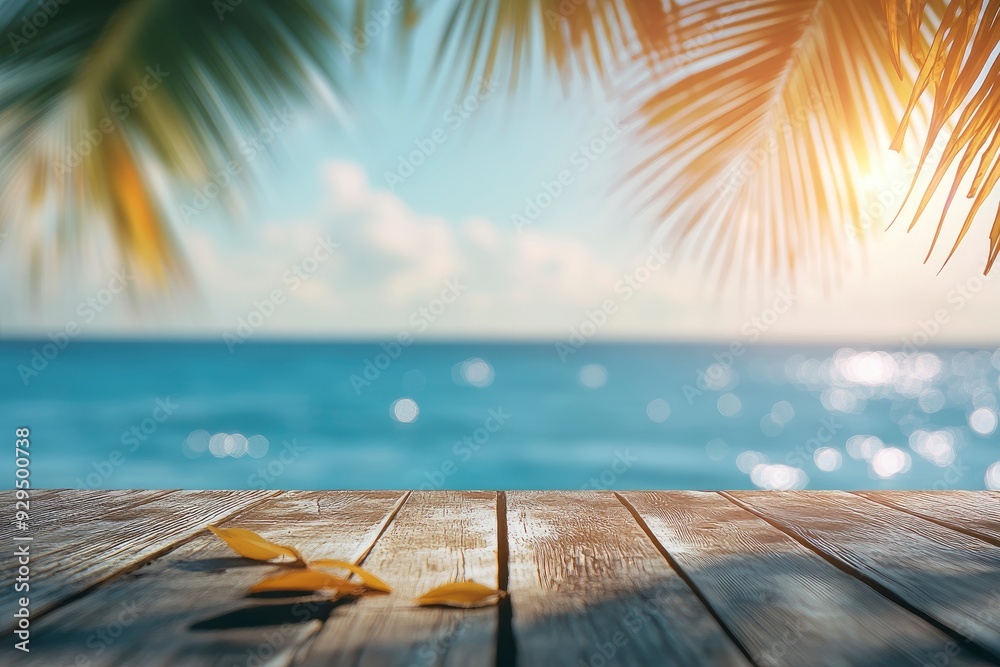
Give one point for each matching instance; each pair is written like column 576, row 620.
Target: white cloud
column 537, row 284
column 393, row 260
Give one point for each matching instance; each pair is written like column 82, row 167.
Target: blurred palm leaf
column 488, row 38
column 795, row 93
column 210, row 74
column 758, row 134
column 813, row 86
column 957, row 69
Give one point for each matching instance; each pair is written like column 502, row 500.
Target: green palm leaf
column 487, row 38
column 759, row 116
column 209, row 74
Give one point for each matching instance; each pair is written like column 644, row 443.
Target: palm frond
column 961, row 69
column 107, row 92
column 487, row 38
column 757, row 137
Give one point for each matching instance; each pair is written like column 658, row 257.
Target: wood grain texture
column 783, row 602
column 588, row 586
column 56, row 514
column 190, row 607
column 971, row 512
column 948, row 576
column 436, row 538
column 96, row 535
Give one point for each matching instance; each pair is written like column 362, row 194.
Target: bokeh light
column 889, row 462
column 778, row 477
column 748, row 460
column 931, row 401
column 658, row 410
column 993, row 477
column 405, row 410
column 864, row 447
column 197, row 441
column 983, row 421
column 235, row 445
column 841, row 400
column 782, row 412
column 216, row 443
column 257, row 446
column 223, row 445
column 477, row 372
column 593, row 376
column 938, row 447
column 729, row 405
column 827, row 459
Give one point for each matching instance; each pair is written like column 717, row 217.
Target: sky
column 337, row 241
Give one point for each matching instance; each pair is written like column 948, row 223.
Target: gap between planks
column 132, row 567
column 436, row 538
column 205, row 568
column 303, row 649
column 506, row 655
column 385, row 526
column 970, row 643
column 943, row 522
column 505, row 647
column 685, row 577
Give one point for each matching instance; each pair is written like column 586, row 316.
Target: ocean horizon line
column 771, row 342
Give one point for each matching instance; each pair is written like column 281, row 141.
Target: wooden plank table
column 593, row 578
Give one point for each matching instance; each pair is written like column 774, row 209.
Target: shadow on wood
column 217, row 564
column 800, row 621
column 265, row 615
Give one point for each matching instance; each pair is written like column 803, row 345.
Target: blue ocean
column 304, row 415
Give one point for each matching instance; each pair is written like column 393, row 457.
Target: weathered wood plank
column 588, row 586
column 190, row 607
column 783, row 602
column 436, row 538
column 57, row 514
column 946, row 575
column 581, row 569
column 971, row 512
column 82, row 547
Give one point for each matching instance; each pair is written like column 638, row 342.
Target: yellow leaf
column 305, row 579
column 460, row 594
column 139, row 225
column 251, row 545
column 370, row 580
